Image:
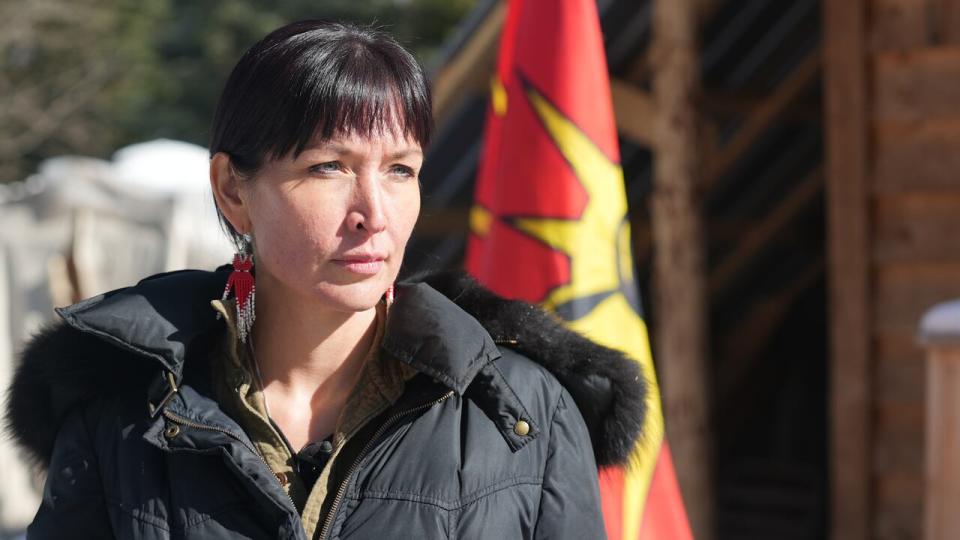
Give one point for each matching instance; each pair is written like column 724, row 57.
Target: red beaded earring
column 244, row 289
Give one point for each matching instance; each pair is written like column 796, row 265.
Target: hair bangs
column 362, row 91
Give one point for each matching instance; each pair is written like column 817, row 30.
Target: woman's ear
column 227, row 185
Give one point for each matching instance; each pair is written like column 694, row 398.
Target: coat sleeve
column 73, row 502
column 570, row 501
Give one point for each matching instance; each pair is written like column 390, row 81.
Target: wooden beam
column 638, row 72
column 948, row 16
column 845, row 89
column 766, row 113
column 634, row 111
column 761, row 235
column 471, row 68
column 680, row 283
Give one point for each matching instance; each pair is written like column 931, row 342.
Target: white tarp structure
column 80, row 227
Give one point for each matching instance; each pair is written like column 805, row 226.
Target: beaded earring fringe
column 242, row 283
column 388, row 296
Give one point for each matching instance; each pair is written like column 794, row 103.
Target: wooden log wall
column 894, row 197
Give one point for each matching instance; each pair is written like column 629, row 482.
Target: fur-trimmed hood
column 77, row 359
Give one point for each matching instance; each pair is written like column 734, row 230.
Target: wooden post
column 845, row 90
column 940, row 333
column 679, row 276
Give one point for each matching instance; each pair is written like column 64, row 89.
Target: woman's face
column 333, row 223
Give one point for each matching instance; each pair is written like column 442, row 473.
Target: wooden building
column 828, row 144
column 893, row 130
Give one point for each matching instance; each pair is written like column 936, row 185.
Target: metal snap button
column 521, row 428
column 172, row 431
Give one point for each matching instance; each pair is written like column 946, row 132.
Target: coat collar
column 431, row 334
column 159, row 318
column 444, row 325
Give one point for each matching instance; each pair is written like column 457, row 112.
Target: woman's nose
column 368, row 211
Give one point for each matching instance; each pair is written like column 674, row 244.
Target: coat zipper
column 341, row 491
column 187, row 422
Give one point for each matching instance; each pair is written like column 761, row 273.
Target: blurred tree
column 66, row 68
column 88, row 76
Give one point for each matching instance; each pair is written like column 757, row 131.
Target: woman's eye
column 328, row 167
column 402, row 170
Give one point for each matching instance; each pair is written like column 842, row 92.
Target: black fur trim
column 60, row 369
column 607, row 385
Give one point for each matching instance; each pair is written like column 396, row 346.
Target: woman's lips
column 361, row 266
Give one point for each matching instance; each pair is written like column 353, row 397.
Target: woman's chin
column 352, row 297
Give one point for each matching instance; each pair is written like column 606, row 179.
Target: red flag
column 550, row 200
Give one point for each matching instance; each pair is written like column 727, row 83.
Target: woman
column 314, row 405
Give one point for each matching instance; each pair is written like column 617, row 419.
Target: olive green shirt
column 380, row 384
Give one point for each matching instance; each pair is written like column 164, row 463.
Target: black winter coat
column 115, row 400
